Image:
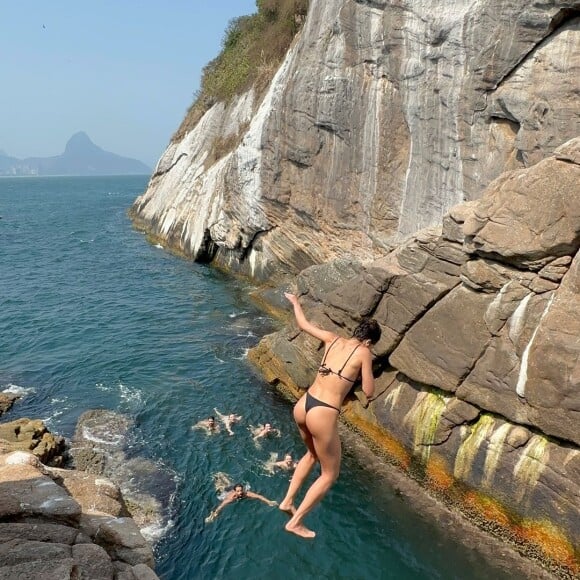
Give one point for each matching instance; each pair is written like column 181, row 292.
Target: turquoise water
column 93, row 316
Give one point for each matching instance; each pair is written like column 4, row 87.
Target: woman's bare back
column 340, row 367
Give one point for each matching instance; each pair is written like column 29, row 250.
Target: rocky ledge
column 62, row 523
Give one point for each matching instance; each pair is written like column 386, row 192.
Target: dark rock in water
column 88, row 459
column 6, row 399
column 102, row 429
column 98, row 447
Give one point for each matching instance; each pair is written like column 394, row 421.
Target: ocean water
column 92, row 316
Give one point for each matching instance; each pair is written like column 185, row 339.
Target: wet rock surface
column 100, row 447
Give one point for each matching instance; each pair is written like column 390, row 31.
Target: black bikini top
column 325, row 371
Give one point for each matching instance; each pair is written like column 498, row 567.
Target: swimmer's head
column 232, row 417
column 238, row 490
column 368, row 329
column 288, row 459
column 267, row 427
column 211, row 421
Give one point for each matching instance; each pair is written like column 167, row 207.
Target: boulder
column 513, row 223
column 93, row 562
column 25, row 491
column 32, row 435
column 6, row 402
column 442, row 347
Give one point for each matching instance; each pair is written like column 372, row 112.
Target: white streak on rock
column 523, row 376
column 517, row 319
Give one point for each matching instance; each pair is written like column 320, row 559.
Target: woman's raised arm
column 304, row 324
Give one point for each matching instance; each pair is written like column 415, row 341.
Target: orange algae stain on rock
column 438, row 474
column 488, row 508
column 551, row 541
column 378, row 436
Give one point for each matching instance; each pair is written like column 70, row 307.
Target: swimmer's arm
column 214, row 514
column 258, row 433
column 368, row 380
column 224, row 503
column 305, row 325
column 261, row 498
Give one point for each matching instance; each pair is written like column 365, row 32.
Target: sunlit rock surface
column 478, row 366
column 57, row 523
column 382, row 117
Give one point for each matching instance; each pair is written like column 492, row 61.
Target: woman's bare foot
column 299, row 530
column 287, row 507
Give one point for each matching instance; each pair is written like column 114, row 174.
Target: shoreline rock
column 62, row 523
column 58, row 523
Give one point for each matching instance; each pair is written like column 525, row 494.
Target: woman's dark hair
column 368, row 329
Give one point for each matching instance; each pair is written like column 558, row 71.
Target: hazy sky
column 123, row 71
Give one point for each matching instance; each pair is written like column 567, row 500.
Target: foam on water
column 154, row 532
column 243, row 355
column 12, row 389
column 130, row 394
column 105, row 438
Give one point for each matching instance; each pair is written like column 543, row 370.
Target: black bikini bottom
column 312, row 402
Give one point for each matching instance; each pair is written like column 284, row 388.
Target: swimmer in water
column 287, row 464
column 208, row 424
column 228, row 420
column 237, row 493
column 265, row 430
column 316, row 413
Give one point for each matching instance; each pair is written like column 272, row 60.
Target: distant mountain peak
column 81, row 157
column 80, row 143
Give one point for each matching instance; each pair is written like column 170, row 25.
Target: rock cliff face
column 478, row 365
column 382, row 117
column 418, row 161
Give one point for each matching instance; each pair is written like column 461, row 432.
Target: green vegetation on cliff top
column 252, row 49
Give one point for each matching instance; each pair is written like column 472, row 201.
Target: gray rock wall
column 383, row 116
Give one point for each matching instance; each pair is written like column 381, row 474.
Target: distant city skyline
column 124, row 73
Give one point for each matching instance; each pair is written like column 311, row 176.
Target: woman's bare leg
column 322, row 423
column 306, row 463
